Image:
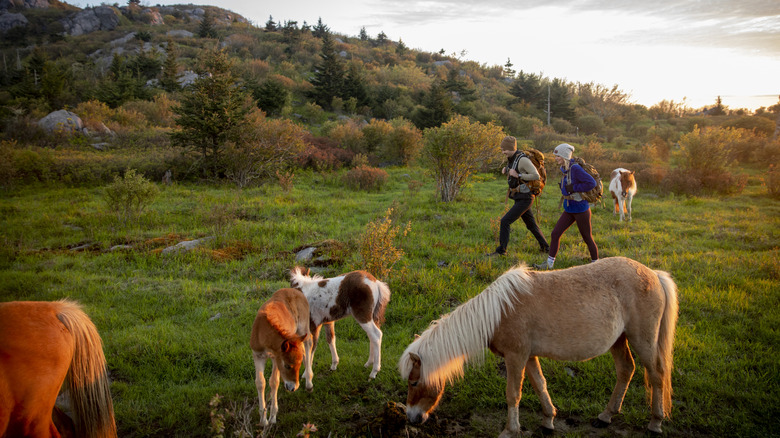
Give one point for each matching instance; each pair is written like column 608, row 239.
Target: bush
column 773, row 181
column 366, row 178
column 129, row 195
column 322, row 153
column 456, row 149
column 377, row 245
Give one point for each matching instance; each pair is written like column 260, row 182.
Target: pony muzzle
column 416, row 415
column 291, row 386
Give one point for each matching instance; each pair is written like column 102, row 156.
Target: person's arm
column 527, row 171
column 581, row 180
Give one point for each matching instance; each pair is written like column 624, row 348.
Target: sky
column 686, row 51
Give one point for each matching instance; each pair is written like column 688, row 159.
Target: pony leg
column 628, row 203
column 615, row 210
column 308, row 355
column 622, row 208
column 330, row 333
column 539, row 384
column 375, row 347
column 259, row 360
column 624, row 365
column 654, row 380
column 515, row 373
column 273, row 388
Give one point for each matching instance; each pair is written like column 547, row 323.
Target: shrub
column 404, row 143
column 366, row 178
column 456, row 149
column 773, row 181
column 377, row 245
column 348, row 135
column 760, row 125
column 266, row 146
column 321, row 153
column 129, row 195
column 590, row 124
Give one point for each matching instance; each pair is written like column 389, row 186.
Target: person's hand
column 513, row 173
column 503, row 170
column 570, row 188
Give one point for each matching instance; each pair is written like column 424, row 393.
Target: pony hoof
column 544, row 431
column 599, row 424
column 333, row 367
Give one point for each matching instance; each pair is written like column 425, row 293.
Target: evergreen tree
column 213, row 112
column 381, row 39
column 718, row 109
column 437, row 107
column 363, row 34
column 355, row 86
column 508, row 70
column 170, row 70
column 207, row 27
column 527, row 87
column 270, row 25
column 271, row 96
column 401, row 48
column 560, row 101
column 320, row 30
column 328, row 78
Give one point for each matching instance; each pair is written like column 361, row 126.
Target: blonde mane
column 464, row 334
column 280, row 318
column 297, row 275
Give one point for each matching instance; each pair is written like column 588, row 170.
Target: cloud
column 744, row 25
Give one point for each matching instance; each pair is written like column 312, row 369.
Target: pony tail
column 381, row 305
column 666, row 338
column 87, row 379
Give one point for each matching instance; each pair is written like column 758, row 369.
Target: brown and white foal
column 281, row 333
column 356, row 293
column 622, row 185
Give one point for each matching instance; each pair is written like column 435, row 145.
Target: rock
column 215, row 317
column 10, row 21
column 25, row 4
column 62, row 121
column 187, row 245
column 180, row 34
column 100, row 146
column 305, row 254
column 90, row 20
column 120, row 247
column 187, row 77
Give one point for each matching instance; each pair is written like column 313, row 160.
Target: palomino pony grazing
column 622, row 185
column 570, row 314
column 357, row 293
column 281, row 332
column 42, row 345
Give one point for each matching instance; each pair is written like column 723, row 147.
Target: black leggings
column 583, row 224
column 521, row 209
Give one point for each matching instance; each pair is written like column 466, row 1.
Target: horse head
column 290, row 361
column 422, row 397
column 626, row 182
column 297, row 277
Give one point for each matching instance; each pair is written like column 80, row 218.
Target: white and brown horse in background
column 356, row 293
column 42, row 345
column 622, row 186
column 571, row 314
column 281, row 333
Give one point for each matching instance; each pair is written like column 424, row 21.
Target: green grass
column 169, row 353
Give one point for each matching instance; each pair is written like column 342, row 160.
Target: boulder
column 90, row 20
column 25, row 4
column 180, row 33
column 9, row 21
column 62, row 121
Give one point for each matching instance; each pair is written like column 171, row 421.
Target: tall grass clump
column 377, row 246
column 129, row 195
column 366, row 178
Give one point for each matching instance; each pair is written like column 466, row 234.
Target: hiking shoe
column 541, row 266
column 495, row 253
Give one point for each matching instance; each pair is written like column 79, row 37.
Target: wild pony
column 281, row 332
column 571, row 314
column 356, row 293
column 42, row 345
column 622, row 185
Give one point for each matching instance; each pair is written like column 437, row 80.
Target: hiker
column 519, row 170
column 575, row 209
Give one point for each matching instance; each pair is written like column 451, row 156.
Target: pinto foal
column 356, row 293
column 622, row 185
column 281, row 333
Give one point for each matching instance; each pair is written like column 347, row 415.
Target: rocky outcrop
column 90, row 20
column 24, row 4
column 9, row 21
column 62, row 121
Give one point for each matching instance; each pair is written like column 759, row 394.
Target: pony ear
column 303, row 338
column 308, row 272
column 416, row 336
column 286, row 347
column 415, row 358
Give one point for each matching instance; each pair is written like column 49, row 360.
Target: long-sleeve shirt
column 580, row 181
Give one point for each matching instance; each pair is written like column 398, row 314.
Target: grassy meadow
column 176, row 327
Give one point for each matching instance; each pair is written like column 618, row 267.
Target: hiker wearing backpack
column 575, row 209
column 520, row 172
